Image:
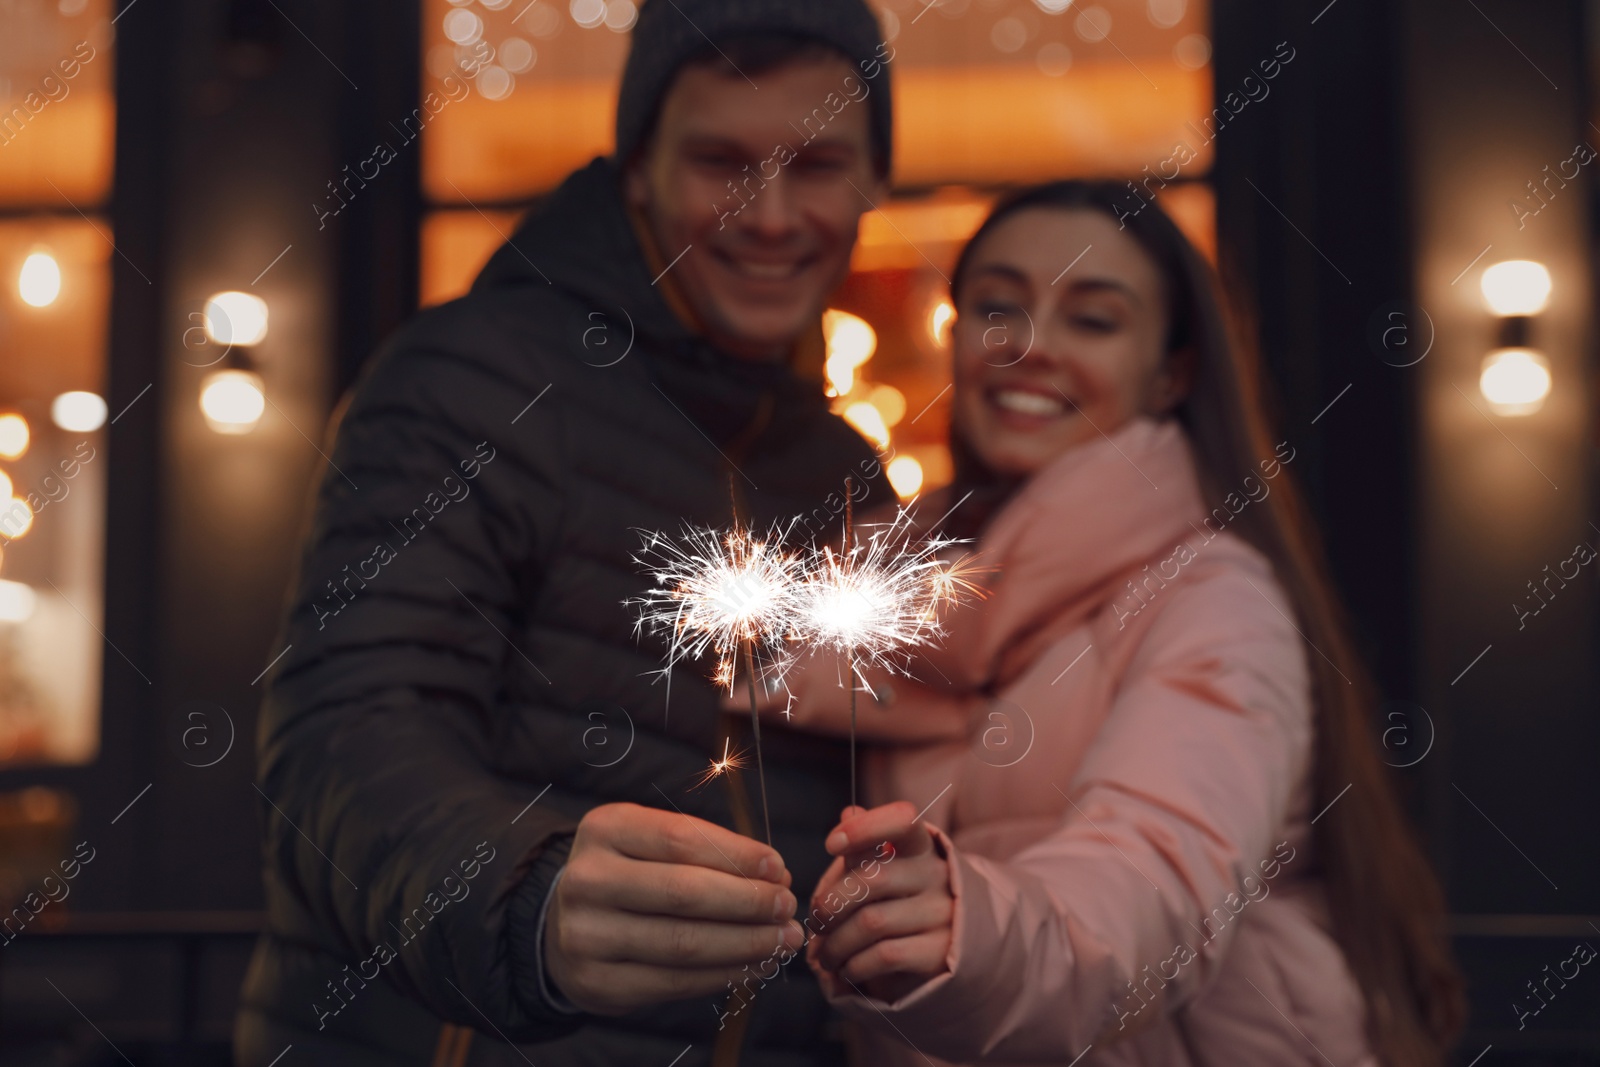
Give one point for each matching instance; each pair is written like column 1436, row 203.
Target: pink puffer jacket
column 1128, row 815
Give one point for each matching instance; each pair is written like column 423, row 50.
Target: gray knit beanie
column 669, row 32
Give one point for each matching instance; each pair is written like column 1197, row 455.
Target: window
column 56, row 143
column 989, row 94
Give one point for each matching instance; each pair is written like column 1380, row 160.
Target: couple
column 1140, row 876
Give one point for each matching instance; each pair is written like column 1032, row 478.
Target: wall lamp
column 232, row 397
column 1515, row 379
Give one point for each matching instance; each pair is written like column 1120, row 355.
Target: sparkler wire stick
column 755, row 728
column 850, row 651
column 750, row 685
column 850, row 669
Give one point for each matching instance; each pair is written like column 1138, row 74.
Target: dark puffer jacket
column 463, row 681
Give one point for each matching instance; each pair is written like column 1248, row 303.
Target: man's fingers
column 672, row 837
column 676, row 890
column 621, row 937
column 866, row 831
column 883, row 920
column 600, row 986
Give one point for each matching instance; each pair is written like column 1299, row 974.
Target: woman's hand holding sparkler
column 896, row 935
column 656, row 905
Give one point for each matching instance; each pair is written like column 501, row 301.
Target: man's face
column 759, row 256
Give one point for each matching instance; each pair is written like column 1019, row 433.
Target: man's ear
column 1173, row 382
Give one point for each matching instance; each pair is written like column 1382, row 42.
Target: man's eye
column 821, row 166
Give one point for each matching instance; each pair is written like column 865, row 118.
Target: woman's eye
column 1094, row 323
column 991, row 309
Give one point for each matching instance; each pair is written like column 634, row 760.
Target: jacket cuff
column 525, row 921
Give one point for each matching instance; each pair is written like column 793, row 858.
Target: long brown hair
column 1386, row 906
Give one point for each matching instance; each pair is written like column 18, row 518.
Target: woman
column 1156, row 825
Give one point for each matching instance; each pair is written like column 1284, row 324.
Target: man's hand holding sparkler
column 897, row 935
column 656, row 905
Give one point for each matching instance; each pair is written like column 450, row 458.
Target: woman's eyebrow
column 1092, row 285
column 1003, row 271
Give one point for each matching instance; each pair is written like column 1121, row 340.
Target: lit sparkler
column 876, row 602
column 745, row 598
column 722, row 592
column 731, row 593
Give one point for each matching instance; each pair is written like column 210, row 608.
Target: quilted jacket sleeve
column 385, row 816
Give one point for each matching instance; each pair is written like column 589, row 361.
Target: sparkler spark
column 721, row 592
column 747, row 597
column 728, row 762
column 879, row 600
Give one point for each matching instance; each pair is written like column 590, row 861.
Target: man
column 482, row 841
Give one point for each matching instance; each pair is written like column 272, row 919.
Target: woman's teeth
column 1024, row 402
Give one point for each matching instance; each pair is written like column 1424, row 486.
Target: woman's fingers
column 883, row 920
column 888, row 892
column 921, row 954
column 867, row 831
column 841, row 893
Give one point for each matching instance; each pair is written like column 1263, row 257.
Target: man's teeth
column 1027, row 403
column 767, row 272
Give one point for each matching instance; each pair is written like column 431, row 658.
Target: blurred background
column 211, row 211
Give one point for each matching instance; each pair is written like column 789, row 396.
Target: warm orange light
column 39, row 283
column 851, row 343
column 940, row 321
column 13, row 436
column 16, row 518
column 233, row 401
column 1515, row 381
column 1516, row 287
column 16, row 602
column 235, row 318
column 78, row 411
column 869, row 420
column 890, row 402
column 905, row 474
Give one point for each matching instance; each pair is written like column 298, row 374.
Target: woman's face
column 1059, row 338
